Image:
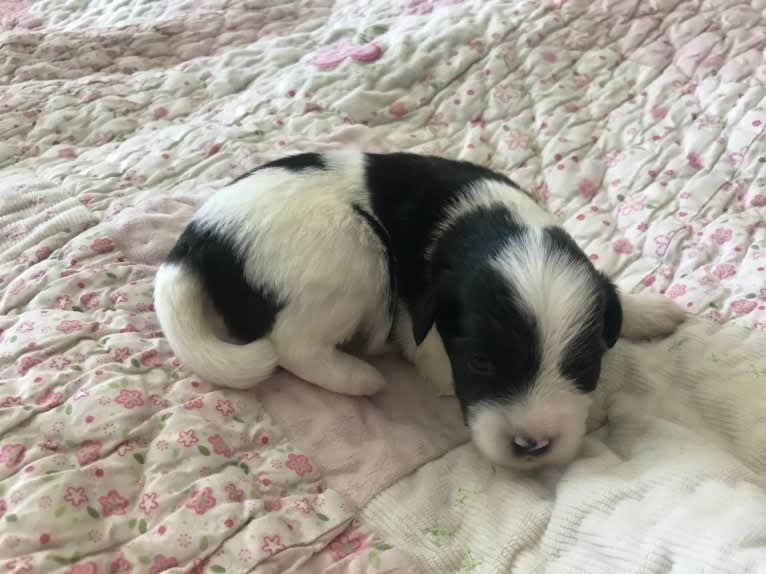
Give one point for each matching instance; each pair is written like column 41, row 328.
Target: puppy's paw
column 367, row 382
column 649, row 316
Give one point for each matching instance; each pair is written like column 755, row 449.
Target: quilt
column 640, row 124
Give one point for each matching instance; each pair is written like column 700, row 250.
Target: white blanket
column 676, row 482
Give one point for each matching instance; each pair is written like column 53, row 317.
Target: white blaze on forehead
column 487, row 193
column 554, row 290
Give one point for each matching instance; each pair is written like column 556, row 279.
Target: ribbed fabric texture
column 676, row 482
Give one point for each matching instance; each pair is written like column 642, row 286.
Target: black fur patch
column 298, row 162
column 385, row 239
column 410, row 194
column 248, row 311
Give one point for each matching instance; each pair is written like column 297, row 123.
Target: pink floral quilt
column 641, row 124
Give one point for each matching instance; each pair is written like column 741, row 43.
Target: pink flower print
column 59, row 363
column 347, row 544
column 12, row 454
column 149, row 358
column 303, row 505
column 398, row 110
column 3, row 507
column 26, row 364
column 50, row 399
column 677, row 290
column 758, row 201
column 659, row 112
column 272, row 544
column 587, row 188
column 187, row 438
column 121, row 353
column 518, row 139
column 743, row 306
column 63, row 302
column 160, row 112
column 75, row 495
column 694, row 160
column 26, row 327
column 118, row 297
column 437, row 121
column 549, row 57
column 219, row 446
column 427, row 6
column 224, row 407
column 724, row 270
column 195, row 403
column 272, row 504
column 571, row 107
column 334, row 55
column 504, row 92
column 120, row 566
column 201, row 500
column 88, row 451
column 113, row 504
column 10, row 401
column 102, row 245
column 84, row 568
column 162, row 563
column 762, row 294
column 632, row 204
column 234, row 493
column 722, row 235
column 90, row 300
column 299, row 463
column 622, row 246
column 661, row 242
column 129, row 399
column 613, row 157
column 18, row 287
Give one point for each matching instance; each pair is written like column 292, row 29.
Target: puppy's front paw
column 649, row 316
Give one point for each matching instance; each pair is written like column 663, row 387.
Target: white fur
column 310, row 247
column 185, row 318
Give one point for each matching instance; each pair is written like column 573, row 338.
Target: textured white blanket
column 676, row 482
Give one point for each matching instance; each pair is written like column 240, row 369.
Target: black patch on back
column 248, row 311
column 410, row 194
column 385, row 239
column 298, row 162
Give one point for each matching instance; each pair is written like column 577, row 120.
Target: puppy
column 473, row 280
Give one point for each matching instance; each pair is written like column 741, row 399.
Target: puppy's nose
column 527, row 446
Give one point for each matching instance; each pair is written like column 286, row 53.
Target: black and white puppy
column 471, row 278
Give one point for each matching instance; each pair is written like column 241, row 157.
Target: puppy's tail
column 180, row 299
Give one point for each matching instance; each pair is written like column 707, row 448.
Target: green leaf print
column 203, row 450
column 132, row 523
column 68, row 409
column 142, row 526
column 203, row 544
column 322, row 517
column 374, row 558
column 383, row 547
column 244, row 467
column 217, row 568
column 135, row 363
column 139, row 458
column 93, row 512
column 11, row 518
column 59, row 511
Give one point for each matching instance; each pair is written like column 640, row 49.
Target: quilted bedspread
column 641, row 125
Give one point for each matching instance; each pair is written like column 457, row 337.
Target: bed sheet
column 640, row 125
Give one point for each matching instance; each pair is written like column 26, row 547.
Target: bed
column 640, row 124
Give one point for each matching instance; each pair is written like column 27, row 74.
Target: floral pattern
column 104, row 428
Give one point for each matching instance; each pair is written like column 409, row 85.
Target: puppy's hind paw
column 649, row 316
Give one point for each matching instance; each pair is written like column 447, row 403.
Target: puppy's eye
column 480, row 364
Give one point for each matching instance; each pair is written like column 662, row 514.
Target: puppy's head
column 525, row 329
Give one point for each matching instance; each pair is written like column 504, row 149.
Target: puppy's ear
column 612, row 312
column 438, row 299
column 423, row 314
